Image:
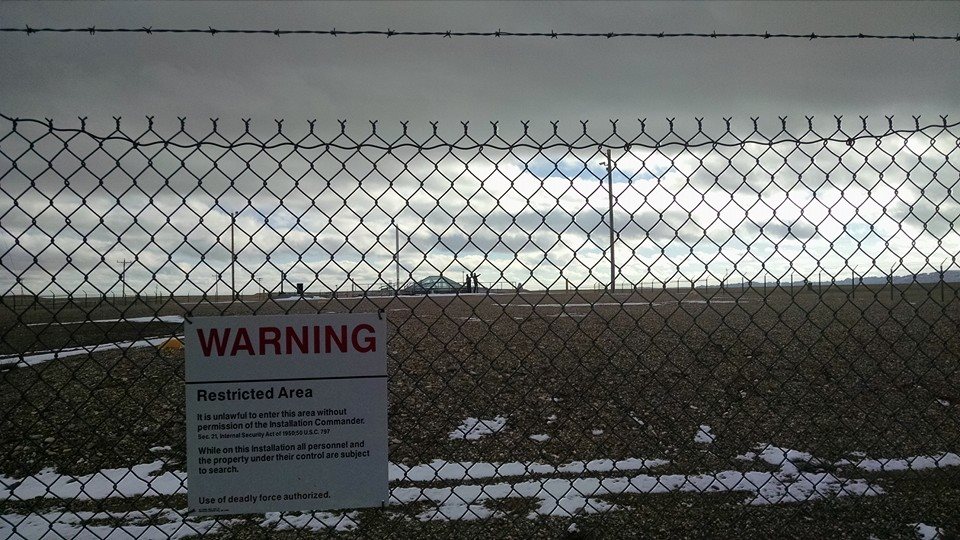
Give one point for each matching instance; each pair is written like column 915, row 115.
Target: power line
column 389, row 32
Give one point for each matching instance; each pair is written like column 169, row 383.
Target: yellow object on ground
column 172, row 344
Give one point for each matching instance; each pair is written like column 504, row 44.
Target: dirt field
column 706, row 384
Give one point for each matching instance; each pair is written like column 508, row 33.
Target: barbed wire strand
column 389, row 32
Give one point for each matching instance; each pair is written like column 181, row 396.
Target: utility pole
column 613, row 264
column 123, row 276
column 233, row 258
column 396, row 255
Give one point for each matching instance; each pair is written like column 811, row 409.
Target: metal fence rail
column 587, row 322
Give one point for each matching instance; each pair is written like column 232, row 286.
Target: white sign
column 286, row 412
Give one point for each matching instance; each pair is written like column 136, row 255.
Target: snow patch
column 455, row 495
column 540, row 437
column 172, row 319
column 914, row 463
column 473, row 428
column 172, row 524
column 60, row 524
column 927, row 532
column 569, row 497
column 553, row 496
column 310, row 521
column 144, row 479
column 704, row 435
column 45, row 356
column 787, row 460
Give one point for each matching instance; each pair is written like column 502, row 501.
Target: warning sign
column 286, row 412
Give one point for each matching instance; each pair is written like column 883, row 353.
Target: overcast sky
column 480, row 79
column 297, row 78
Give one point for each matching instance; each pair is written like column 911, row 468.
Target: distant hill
column 929, row 277
column 950, row 276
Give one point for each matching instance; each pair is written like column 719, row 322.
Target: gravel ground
column 626, row 376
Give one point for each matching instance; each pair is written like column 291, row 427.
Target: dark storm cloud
column 482, row 79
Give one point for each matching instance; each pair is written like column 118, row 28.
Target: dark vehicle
column 434, row 285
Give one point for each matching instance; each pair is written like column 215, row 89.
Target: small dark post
column 853, row 285
column 891, row 282
column 233, row 258
column 943, row 283
column 300, row 289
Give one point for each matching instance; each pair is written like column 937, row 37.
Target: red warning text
column 287, row 340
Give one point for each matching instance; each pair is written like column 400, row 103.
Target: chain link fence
column 637, row 328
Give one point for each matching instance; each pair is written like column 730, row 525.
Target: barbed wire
column 552, row 34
